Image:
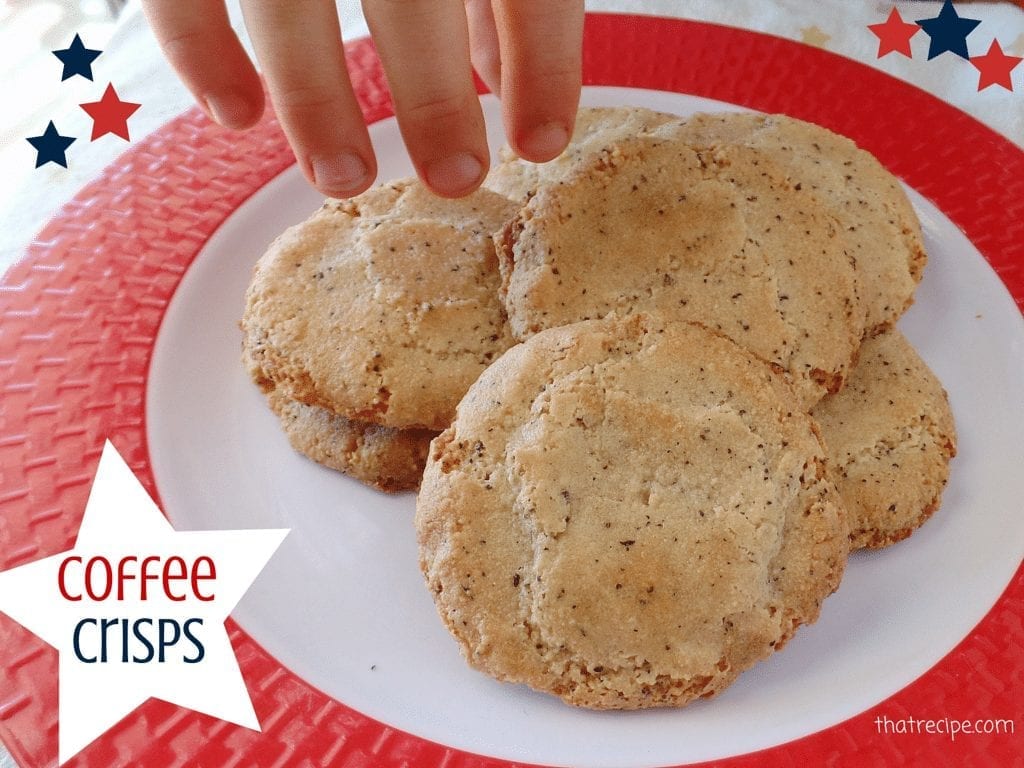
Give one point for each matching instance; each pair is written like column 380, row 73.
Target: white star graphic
column 123, row 527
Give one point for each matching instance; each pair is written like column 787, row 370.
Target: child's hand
column 426, row 47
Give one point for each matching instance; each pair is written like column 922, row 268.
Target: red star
column 995, row 67
column 894, row 35
column 110, row 114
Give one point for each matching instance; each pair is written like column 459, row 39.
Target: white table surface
column 131, row 60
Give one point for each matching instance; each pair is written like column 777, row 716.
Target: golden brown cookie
column 627, row 515
column 596, row 127
column 890, row 437
column 383, row 308
column 883, row 232
column 386, row 458
column 719, row 237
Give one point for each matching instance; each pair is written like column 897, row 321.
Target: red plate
column 81, row 314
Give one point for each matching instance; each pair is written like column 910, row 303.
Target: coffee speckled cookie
column 883, row 231
column 719, row 237
column 596, row 128
column 386, row 458
column 628, row 515
column 890, row 437
column 383, row 308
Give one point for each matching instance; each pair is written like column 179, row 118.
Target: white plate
column 343, row 603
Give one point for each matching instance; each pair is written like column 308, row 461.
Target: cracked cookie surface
column 628, row 515
column 596, row 128
column 386, row 458
column 882, row 229
column 719, row 237
column 383, row 308
column 890, row 437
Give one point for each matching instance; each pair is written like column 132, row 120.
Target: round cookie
column 388, row 459
column 596, row 127
column 883, row 231
column 890, row 437
column 627, row 515
column 717, row 237
column 383, row 308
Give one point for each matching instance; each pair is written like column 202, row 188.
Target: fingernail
column 339, row 175
column 455, row 173
column 229, row 109
column 545, row 141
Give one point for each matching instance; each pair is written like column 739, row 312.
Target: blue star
column 50, row 147
column 948, row 32
column 77, row 59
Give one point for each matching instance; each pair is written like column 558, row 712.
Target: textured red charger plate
column 79, row 317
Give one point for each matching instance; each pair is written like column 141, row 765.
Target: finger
column 483, row 43
column 541, row 73
column 298, row 44
column 424, row 46
column 197, row 39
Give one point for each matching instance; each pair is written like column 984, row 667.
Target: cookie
column 883, row 231
column 890, row 437
column 595, row 128
column 627, row 515
column 718, row 236
column 383, row 308
column 388, row 459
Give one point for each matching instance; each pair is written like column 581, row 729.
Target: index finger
column 541, row 73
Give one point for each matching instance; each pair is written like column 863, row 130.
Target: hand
column 527, row 51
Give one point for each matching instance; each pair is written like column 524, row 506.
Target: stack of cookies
column 366, row 324
column 652, row 392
